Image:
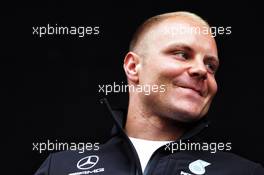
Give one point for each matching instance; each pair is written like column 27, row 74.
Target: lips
column 197, row 86
column 198, row 91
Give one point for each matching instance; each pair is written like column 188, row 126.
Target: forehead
column 184, row 31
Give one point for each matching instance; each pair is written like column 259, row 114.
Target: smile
column 193, row 91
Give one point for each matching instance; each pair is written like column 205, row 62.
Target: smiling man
column 167, row 50
column 184, row 62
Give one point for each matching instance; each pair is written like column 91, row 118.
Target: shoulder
column 230, row 162
column 70, row 161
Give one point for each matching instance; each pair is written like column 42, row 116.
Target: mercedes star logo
column 87, row 162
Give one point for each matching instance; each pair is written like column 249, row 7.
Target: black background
column 49, row 85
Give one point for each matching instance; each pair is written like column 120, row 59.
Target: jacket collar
column 119, row 117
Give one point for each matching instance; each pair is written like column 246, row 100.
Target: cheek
column 212, row 86
column 161, row 69
column 170, row 69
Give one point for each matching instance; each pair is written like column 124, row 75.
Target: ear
column 131, row 66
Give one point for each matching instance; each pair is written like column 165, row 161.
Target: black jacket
column 118, row 157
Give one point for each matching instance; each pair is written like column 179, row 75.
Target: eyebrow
column 178, row 45
column 187, row 48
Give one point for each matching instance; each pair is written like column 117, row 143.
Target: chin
column 187, row 113
column 191, row 116
column 188, row 117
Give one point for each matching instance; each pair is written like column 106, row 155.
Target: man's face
column 185, row 63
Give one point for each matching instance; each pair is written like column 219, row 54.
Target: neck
column 146, row 125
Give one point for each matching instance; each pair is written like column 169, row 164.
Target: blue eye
column 212, row 67
column 181, row 54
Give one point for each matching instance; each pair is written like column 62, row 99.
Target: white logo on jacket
column 197, row 167
column 87, row 163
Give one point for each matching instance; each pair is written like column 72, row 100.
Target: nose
column 198, row 70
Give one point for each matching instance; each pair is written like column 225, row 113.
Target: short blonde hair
column 149, row 23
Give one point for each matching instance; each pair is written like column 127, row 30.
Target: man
column 181, row 66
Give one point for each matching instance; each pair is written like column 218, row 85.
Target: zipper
column 157, row 154
column 130, row 144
